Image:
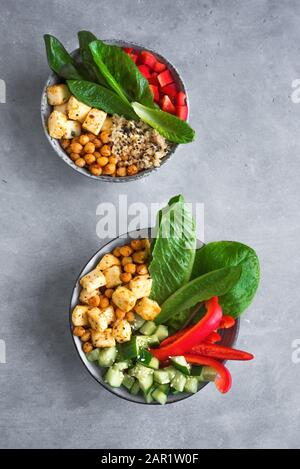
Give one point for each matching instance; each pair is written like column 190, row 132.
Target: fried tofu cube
column 121, row 331
column 109, row 314
column 58, row 94
column 124, row 299
column 73, row 129
column 61, row 108
column 57, row 124
column 79, row 315
column 85, row 296
column 103, row 339
column 94, row 121
column 92, row 281
column 77, row 110
column 112, row 276
column 147, row 309
column 141, row 286
column 108, row 261
column 97, row 321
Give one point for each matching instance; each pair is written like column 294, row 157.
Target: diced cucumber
column 159, row 396
column 208, row 374
column 148, row 395
column 123, row 365
column 129, row 349
column 171, row 370
column 140, row 370
column 135, row 388
column 196, row 370
column 178, row 382
column 128, row 382
column 148, row 328
column 145, row 341
column 191, row 384
column 162, row 332
column 107, row 356
column 147, row 359
column 181, row 364
column 164, row 388
column 145, row 382
column 114, row 377
column 138, row 322
column 161, row 376
column 153, row 340
column 93, row 355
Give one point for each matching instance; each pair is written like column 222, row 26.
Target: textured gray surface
column 238, row 59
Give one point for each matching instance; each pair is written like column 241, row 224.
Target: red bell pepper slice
column 221, row 353
column 227, row 322
column 223, row 380
column 195, row 335
column 213, row 338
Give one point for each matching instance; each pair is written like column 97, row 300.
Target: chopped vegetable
column 223, row 381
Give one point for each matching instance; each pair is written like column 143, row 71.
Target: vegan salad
column 151, row 314
column 117, row 111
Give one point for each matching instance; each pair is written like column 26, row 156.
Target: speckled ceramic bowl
column 46, row 110
column 229, row 336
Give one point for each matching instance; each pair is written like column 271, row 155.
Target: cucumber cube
column 159, row 396
column 148, row 328
column 178, row 382
column 114, row 377
column 191, row 385
column 128, row 382
column 107, row 356
column 93, row 355
column 181, row 364
column 161, row 376
column 162, row 332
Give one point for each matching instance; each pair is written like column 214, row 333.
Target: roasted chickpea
column 80, row 162
column 97, row 155
column 139, row 257
column 76, row 147
column 120, row 314
column 65, row 143
column 103, row 160
column 97, row 143
column 116, row 252
column 146, row 243
column 84, row 139
column 113, row 160
column 105, row 136
column 87, row 347
column 96, row 170
column 130, row 316
column 89, row 147
column 91, row 136
column 121, row 172
column 109, row 293
column 109, row 169
column 126, row 277
column 78, row 331
column 136, row 244
column 130, row 268
column 105, row 150
column 94, row 301
column 89, row 158
column 132, row 170
column 74, row 156
column 75, row 140
column 104, row 302
column 126, row 260
column 86, row 336
column 126, row 251
column 142, row 269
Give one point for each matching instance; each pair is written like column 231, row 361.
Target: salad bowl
column 229, row 336
column 53, row 79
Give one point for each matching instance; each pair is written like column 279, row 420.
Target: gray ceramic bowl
column 46, row 110
column 229, row 336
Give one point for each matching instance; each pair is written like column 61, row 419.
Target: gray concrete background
column 238, row 59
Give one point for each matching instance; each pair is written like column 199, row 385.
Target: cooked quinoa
column 135, row 143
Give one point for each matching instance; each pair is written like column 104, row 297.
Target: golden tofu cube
column 97, row 321
column 62, row 108
column 94, row 121
column 147, row 309
column 141, row 286
column 121, row 331
column 103, row 339
column 77, row 110
column 92, row 281
column 73, row 129
column 109, row 314
column 85, row 296
column 79, row 315
column 124, row 299
column 108, row 261
column 112, row 276
column 57, row 124
column 58, row 94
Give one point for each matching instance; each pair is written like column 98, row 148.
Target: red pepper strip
column 227, row 322
column 195, row 335
column 213, row 338
column 223, row 380
column 221, row 353
column 174, row 337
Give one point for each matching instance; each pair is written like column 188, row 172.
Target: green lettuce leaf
column 59, row 60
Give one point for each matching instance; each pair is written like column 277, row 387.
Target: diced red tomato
column 181, row 99
column 165, row 78
column 182, row 112
column 134, row 57
column 159, row 67
column 145, row 71
column 128, row 50
column 170, row 90
column 147, row 58
column 167, row 105
column 155, row 92
column 153, row 79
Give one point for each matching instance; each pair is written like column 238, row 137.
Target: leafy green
column 121, row 73
column 179, row 320
column 92, row 72
column 171, row 127
column 228, row 253
column 215, row 283
column 99, row 97
column 59, row 60
column 173, row 251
